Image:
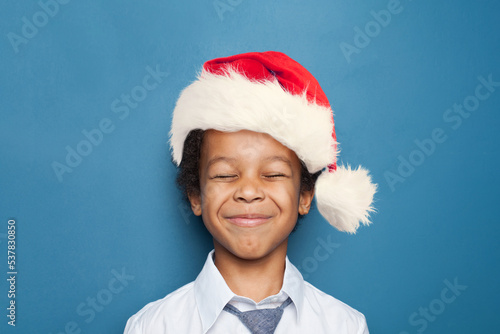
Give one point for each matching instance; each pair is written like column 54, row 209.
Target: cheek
column 212, row 190
column 285, row 195
column 213, row 194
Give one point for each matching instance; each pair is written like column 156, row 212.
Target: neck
column 252, row 278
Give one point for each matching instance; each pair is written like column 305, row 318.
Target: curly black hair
column 188, row 177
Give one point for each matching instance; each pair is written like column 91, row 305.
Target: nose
column 249, row 189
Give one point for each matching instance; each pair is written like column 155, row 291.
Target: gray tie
column 260, row 321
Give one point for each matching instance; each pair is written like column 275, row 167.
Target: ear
column 305, row 201
column 195, row 204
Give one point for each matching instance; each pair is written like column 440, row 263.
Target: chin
column 253, row 252
column 250, row 256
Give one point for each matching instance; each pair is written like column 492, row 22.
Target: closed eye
column 223, row 176
column 275, row 175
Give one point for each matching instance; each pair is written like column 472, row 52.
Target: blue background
column 119, row 210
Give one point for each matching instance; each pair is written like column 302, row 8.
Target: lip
column 248, row 220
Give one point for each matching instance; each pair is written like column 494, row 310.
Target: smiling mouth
column 250, row 220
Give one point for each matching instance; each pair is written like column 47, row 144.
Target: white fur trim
column 232, row 103
column 344, row 197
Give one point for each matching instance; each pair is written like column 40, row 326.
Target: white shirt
column 197, row 307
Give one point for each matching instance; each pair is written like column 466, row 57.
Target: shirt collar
column 293, row 286
column 212, row 293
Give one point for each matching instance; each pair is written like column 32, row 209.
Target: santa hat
column 271, row 93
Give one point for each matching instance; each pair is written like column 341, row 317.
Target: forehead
column 245, row 145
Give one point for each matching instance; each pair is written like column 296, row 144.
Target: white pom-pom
column 345, row 197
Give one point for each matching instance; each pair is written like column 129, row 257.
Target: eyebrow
column 232, row 160
column 278, row 158
column 219, row 158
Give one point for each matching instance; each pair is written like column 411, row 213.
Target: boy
column 255, row 142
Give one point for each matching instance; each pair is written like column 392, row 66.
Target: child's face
column 250, row 192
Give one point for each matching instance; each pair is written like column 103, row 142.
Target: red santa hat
column 271, row 93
